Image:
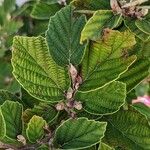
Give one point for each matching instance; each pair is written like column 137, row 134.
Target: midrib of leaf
column 70, row 26
column 39, row 65
column 72, row 21
column 122, row 133
column 64, row 55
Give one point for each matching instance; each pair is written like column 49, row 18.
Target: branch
column 7, row 146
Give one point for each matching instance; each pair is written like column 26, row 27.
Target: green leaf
column 83, row 113
column 136, row 73
column 143, row 110
column 130, row 24
column 35, row 70
column 105, row 100
column 142, row 89
column 9, row 5
column 144, row 48
column 104, row 60
column 5, row 95
column 2, row 15
column 131, row 95
column 7, row 81
column 97, row 23
column 63, row 37
column 46, row 111
column 43, row 11
column 2, row 126
column 40, row 27
column 35, row 129
column 104, row 146
column 128, row 130
column 144, row 25
column 11, row 122
column 79, row 133
column 28, row 100
column 23, row 9
column 91, row 5
column 11, row 27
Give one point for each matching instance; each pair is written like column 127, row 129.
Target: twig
column 7, row 146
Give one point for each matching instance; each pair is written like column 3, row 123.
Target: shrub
column 79, row 79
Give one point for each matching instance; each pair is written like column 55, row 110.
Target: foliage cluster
column 77, row 66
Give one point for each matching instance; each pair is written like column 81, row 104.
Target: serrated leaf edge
column 87, row 120
column 110, row 81
column 118, row 107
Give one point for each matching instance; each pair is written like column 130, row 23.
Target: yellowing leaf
column 106, row 60
column 35, row 70
column 97, row 23
column 35, row 129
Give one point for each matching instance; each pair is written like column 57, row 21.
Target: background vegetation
column 36, row 124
